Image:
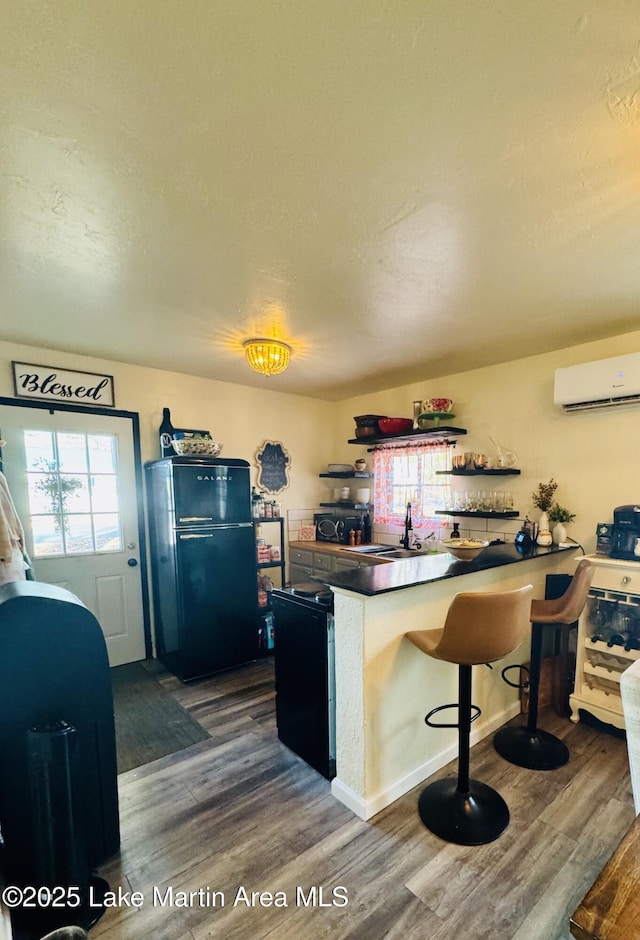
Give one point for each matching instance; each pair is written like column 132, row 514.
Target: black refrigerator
column 203, row 564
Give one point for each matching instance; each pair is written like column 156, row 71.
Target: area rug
column 149, row 722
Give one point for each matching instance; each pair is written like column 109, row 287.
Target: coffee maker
column 625, row 536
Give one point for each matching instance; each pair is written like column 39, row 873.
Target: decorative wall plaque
column 48, row 383
column 273, row 467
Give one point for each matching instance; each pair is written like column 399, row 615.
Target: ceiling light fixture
column 267, row 356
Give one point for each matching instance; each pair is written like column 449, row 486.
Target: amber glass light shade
column 268, row 356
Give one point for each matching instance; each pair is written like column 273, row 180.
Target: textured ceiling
column 401, row 189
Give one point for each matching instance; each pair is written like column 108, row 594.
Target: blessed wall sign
column 48, row 383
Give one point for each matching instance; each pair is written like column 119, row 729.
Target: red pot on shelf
column 395, row 425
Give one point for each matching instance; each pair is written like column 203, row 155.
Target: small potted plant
column 542, row 498
column 561, row 517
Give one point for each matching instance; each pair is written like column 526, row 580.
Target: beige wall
column 594, row 456
column 242, row 418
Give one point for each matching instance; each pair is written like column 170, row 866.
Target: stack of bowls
column 367, row 425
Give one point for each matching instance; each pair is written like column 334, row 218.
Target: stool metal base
column 535, row 750
column 472, row 818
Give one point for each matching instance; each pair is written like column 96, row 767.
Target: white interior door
column 72, row 478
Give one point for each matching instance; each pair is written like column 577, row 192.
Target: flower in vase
column 543, row 496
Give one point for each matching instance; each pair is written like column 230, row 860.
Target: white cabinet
column 608, row 637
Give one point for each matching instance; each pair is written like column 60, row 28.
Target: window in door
column 73, row 493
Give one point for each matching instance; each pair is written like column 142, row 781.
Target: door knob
column 131, row 545
column 132, row 562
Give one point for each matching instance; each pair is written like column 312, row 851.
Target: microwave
column 333, row 528
column 328, row 527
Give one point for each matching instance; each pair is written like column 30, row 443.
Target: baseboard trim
column 367, row 808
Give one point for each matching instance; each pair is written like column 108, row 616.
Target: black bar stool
column 479, row 628
column 527, row 745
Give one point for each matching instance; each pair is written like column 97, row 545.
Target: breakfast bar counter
column 429, row 567
column 385, row 686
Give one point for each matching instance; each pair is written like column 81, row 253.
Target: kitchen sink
column 382, row 551
column 404, row 553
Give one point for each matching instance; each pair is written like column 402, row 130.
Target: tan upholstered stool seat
column 527, row 745
column 479, row 628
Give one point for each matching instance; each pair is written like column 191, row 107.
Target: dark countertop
column 380, row 579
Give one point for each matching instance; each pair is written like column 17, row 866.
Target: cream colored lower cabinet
column 608, row 637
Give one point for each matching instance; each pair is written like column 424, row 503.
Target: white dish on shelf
column 340, row 467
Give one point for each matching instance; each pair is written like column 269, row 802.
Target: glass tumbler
column 486, row 501
column 473, row 500
column 460, row 501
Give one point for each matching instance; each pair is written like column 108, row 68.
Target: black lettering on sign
column 95, row 392
column 43, row 382
column 30, row 382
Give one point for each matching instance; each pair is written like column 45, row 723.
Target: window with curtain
column 409, row 474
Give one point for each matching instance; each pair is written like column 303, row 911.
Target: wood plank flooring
column 240, row 810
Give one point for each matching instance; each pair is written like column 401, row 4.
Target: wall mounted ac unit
column 600, row 384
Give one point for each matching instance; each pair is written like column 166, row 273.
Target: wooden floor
column 239, row 810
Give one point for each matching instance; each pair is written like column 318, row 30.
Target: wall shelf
column 346, row 504
column 507, row 514
column 348, row 475
column 442, row 433
column 493, row 472
column 265, row 618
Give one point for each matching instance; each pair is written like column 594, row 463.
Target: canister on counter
column 604, row 533
column 264, row 553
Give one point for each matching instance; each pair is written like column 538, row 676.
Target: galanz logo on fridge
column 202, row 477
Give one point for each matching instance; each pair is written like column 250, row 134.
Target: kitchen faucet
column 408, row 526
